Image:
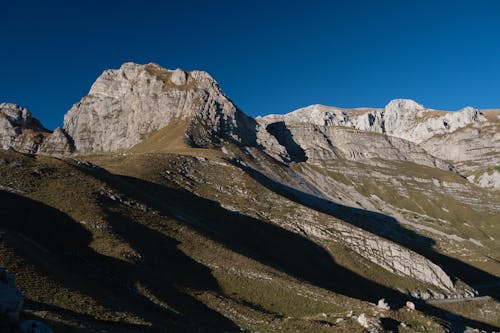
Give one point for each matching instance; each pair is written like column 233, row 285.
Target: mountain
column 160, row 206
column 20, row 131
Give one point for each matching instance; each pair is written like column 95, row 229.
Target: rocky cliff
column 20, row 131
column 404, row 130
column 125, row 105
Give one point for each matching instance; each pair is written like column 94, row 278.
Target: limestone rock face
column 57, row 143
column 20, row 131
column 403, row 130
column 125, row 105
column 316, row 143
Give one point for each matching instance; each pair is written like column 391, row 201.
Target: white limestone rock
column 126, row 104
column 468, row 138
column 179, row 77
column 490, row 180
column 363, row 320
column 410, row 306
column 382, row 304
column 20, row 131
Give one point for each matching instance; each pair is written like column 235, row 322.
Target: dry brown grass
column 493, row 115
column 165, row 75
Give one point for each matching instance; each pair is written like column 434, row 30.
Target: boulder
column 382, row 304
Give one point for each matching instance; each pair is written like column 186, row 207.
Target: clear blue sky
column 268, row 56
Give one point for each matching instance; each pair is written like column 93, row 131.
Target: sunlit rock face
column 468, row 139
column 125, row 105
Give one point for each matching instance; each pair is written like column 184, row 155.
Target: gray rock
column 57, row 143
column 125, row 105
column 179, row 77
column 20, row 131
column 403, row 130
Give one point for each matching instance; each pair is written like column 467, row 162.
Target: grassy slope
column 189, row 276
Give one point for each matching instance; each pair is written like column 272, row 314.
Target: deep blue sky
column 268, row 57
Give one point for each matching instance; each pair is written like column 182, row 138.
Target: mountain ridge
column 177, row 211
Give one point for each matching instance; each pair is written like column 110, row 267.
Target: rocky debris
column 410, row 306
column 382, row 304
column 126, row 104
column 11, row 299
column 363, row 320
column 371, row 324
column 34, row 326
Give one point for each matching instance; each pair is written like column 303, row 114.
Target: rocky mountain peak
column 125, row 105
column 18, row 117
column 20, row 131
column 403, row 105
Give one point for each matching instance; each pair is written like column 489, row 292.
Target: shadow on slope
column 285, row 138
column 379, row 224
column 266, row 243
column 66, row 257
column 269, row 244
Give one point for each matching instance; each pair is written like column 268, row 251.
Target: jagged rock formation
column 20, row 131
column 316, row 143
column 125, row 105
column 403, row 130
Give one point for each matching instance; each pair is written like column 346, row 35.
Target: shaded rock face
column 125, row 105
column 20, row 131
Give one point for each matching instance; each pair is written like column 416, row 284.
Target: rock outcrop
column 20, row 131
column 403, row 130
column 317, row 143
column 125, row 105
